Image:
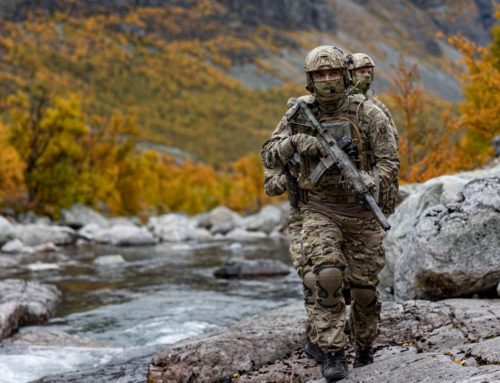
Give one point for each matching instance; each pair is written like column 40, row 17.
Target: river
column 160, row 295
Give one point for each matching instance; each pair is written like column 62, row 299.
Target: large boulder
column 177, row 228
column 120, row 235
column 439, row 190
column 6, row 230
column 454, row 249
column 79, row 215
column 266, row 220
column 25, row 303
column 37, row 234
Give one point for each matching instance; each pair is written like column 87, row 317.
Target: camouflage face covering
column 363, row 82
column 329, row 90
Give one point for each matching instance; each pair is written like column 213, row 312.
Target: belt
column 341, row 199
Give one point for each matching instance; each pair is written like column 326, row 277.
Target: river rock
column 42, row 266
column 223, row 220
column 454, row 250
column 244, row 235
column 25, row 303
column 244, row 268
column 124, row 236
column 6, row 230
column 36, row 234
column 177, row 228
column 17, row 246
column 52, row 338
column 79, row 215
column 266, row 220
column 246, row 353
column 109, row 260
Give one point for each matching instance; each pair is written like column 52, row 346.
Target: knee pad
column 329, row 286
column 364, row 296
column 309, row 282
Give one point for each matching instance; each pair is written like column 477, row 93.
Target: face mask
column 363, row 82
column 329, row 90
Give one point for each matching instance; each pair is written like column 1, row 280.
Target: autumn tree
column 480, row 109
column 12, row 187
column 47, row 132
column 426, row 125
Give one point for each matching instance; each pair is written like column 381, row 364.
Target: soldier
column 340, row 240
column 363, row 72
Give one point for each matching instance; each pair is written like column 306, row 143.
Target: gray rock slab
column 248, row 345
column 25, row 303
column 422, row 368
column 403, row 329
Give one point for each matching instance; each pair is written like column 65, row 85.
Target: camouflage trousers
column 353, row 245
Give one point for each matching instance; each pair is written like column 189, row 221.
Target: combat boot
column 314, row 352
column 334, row 366
column 364, row 356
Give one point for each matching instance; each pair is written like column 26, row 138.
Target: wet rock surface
column 411, row 333
column 51, row 338
column 454, row 249
column 246, row 346
column 24, row 303
column 243, row 268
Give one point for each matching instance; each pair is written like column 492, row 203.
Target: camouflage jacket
column 373, row 136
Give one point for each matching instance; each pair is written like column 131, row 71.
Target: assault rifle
column 335, row 155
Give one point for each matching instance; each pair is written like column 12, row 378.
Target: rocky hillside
column 180, row 65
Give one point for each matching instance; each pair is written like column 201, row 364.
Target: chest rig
column 347, row 131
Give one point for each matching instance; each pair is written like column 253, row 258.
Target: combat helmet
column 361, row 60
column 327, row 57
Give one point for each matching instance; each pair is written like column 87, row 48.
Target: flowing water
column 160, row 295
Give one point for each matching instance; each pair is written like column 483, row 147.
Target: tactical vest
column 341, row 126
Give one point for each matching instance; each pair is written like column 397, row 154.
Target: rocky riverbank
column 459, row 338
column 444, row 244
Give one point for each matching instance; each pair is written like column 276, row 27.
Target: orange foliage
column 12, row 187
column 427, row 127
column 480, row 110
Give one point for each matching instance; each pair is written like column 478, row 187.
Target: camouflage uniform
column 362, row 60
column 274, row 185
column 339, row 240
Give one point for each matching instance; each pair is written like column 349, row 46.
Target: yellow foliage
column 480, row 110
column 427, row 128
column 12, row 187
